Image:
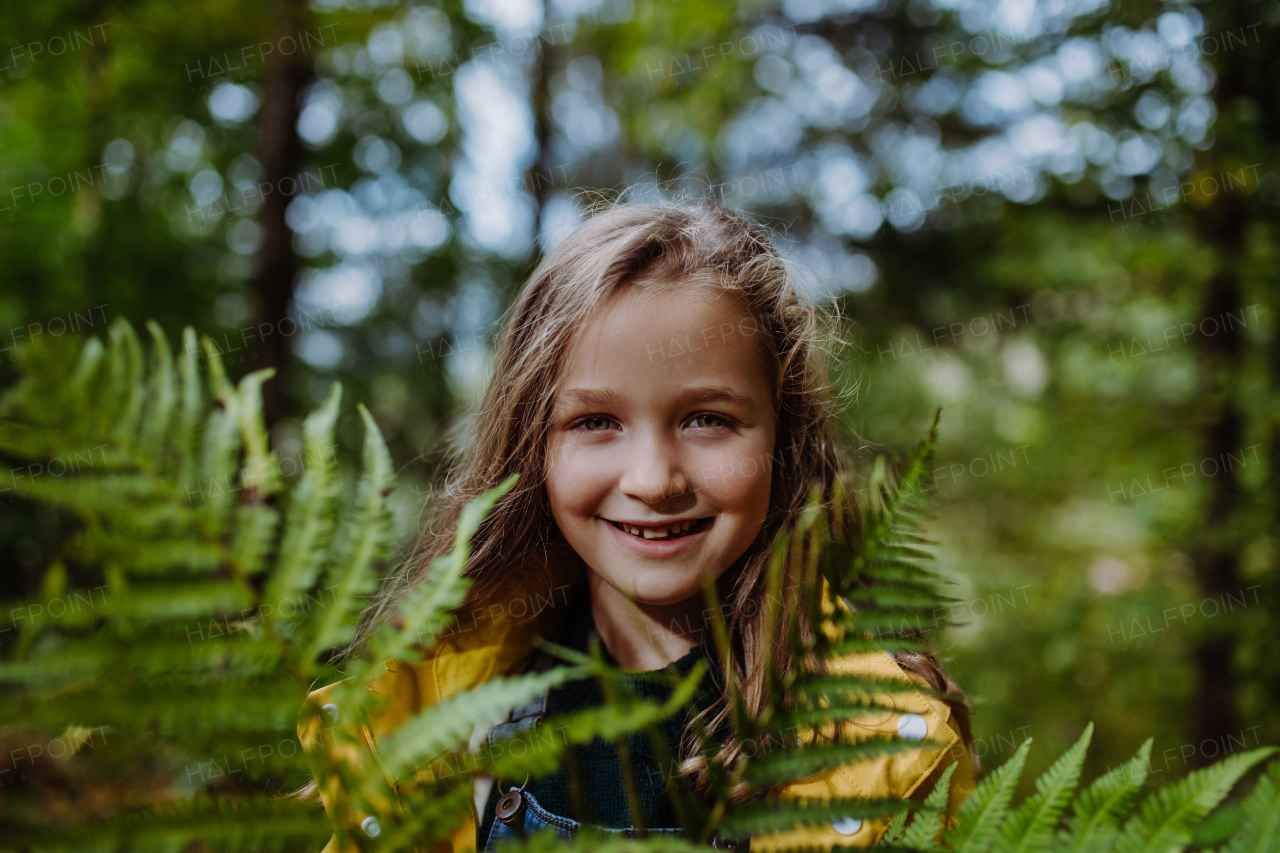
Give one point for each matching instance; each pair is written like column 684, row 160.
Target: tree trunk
column 282, row 155
column 1216, row 554
column 540, row 177
column 1223, row 534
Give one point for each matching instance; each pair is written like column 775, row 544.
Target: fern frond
column 1259, row 829
column 424, row 613
column 260, row 476
column 435, row 730
column 360, row 542
column 607, row 723
column 308, row 525
column 1097, row 810
column 1031, row 826
column 763, row 817
column 896, row 832
column 980, row 817
column 927, row 826
column 162, row 396
column 1167, row 818
column 224, row 823
column 192, row 406
column 128, row 366
column 799, row 763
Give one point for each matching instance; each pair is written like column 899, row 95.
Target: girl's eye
column 708, row 421
column 595, row 424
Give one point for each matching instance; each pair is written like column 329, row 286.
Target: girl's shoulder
column 916, row 716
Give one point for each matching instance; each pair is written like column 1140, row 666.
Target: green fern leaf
column 1259, row 830
column 767, row 816
column 260, row 476
column 223, row 823
column 255, row 534
column 88, row 365
column 1031, row 826
column 607, row 723
column 218, row 464
column 927, row 826
column 443, row 727
column 802, row 762
column 423, row 615
column 1097, row 810
column 980, row 817
column 1168, row 818
column 308, row 525
column 162, row 396
column 360, row 542
column 896, row 832
column 128, row 366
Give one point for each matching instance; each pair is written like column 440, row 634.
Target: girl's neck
column 644, row 637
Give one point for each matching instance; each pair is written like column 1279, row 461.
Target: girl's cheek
column 574, row 484
column 737, row 477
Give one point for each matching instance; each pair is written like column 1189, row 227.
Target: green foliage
column 1166, row 821
column 1097, row 808
column 226, row 589
column 1259, row 828
column 981, row 816
column 1040, row 813
column 1101, row 820
column 926, row 829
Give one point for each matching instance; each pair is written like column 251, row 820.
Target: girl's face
column 661, row 442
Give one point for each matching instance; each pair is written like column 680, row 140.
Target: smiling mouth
column 676, row 530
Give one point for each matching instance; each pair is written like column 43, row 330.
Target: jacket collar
column 497, row 634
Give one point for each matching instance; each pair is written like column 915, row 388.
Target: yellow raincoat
column 498, row 640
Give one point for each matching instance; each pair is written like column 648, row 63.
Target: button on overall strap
column 511, row 805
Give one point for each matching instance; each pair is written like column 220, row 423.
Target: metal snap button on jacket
column 847, row 825
column 912, row 727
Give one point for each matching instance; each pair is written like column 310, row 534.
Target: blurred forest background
column 1058, row 219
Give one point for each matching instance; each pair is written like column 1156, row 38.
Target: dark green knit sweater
column 601, row 798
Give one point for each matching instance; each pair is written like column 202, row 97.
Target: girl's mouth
column 675, row 530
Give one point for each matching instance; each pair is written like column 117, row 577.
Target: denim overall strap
column 527, row 716
column 522, row 720
column 537, row 818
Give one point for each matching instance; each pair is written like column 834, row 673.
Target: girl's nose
column 653, row 474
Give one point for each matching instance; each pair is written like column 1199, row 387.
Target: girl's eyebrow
column 717, row 394
column 586, row 398
column 606, row 397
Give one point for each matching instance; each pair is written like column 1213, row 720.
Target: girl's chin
column 658, row 586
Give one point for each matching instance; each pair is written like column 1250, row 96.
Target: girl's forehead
column 667, row 328
column 662, row 308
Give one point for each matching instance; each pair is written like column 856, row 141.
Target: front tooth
column 634, row 530
column 650, row 534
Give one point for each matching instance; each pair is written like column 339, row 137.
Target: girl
column 659, row 390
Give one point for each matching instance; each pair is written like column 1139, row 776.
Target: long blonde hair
column 696, row 246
